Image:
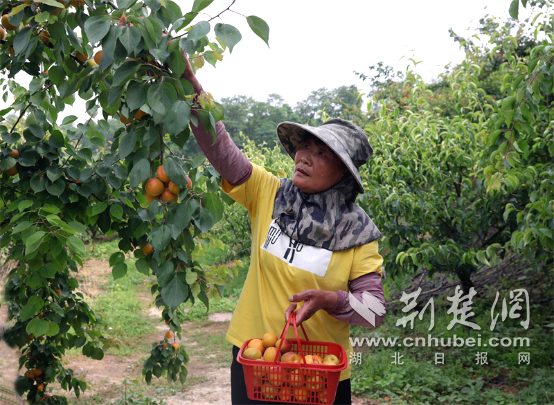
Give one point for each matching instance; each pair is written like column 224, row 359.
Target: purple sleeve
column 224, row 155
column 371, row 283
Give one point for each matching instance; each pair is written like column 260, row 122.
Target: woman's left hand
column 314, row 300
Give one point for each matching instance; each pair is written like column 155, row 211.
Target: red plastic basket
column 296, row 383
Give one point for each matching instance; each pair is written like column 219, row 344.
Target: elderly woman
column 311, row 244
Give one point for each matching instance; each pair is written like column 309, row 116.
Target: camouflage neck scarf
column 330, row 220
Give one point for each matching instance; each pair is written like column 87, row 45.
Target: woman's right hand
column 189, row 75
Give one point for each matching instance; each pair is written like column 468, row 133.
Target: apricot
column 40, row 387
column 300, row 394
column 161, row 174
column 168, row 196
column 2, row 33
column 98, row 56
column 176, row 190
column 269, row 391
column 139, row 114
column 271, row 354
column 175, row 346
column 252, row 354
column 286, row 346
column 147, row 249
column 149, row 197
column 189, row 182
column 45, row 37
column 37, row 372
column 322, row 396
column 290, row 357
column 332, row 358
column 314, row 382
column 81, row 57
column 154, row 187
column 260, row 372
column 317, row 359
column 296, row 379
column 309, row 359
column 122, row 118
column 328, row 363
column 269, row 340
column 285, row 394
column 14, row 153
column 168, row 334
column 276, row 376
column 257, row 343
column 7, row 24
column 12, row 171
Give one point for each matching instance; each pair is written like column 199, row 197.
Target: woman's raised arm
column 223, row 154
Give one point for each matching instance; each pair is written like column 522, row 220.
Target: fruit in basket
column 317, row 359
column 252, row 354
column 314, row 382
column 329, row 363
column 296, row 379
column 286, row 346
column 260, row 372
column 290, row 357
column 331, row 357
column 257, row 343
column 269, row 391
column 322, row 396
column 300, row 394
column 309, row 359
column 271, row 354
column 276, row 376
column 285, row 394
column 269, row 340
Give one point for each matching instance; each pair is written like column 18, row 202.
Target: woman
column 310, row 242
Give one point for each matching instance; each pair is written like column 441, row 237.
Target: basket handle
column 292, row 317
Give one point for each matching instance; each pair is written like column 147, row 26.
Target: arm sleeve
column 224, row 155
column 343, row 311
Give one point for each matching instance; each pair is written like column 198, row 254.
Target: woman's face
column 316, row 167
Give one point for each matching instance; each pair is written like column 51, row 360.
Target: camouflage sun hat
column 347, row 140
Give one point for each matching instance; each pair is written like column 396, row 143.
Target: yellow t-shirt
column 280, row 268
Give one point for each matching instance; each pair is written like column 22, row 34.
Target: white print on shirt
column 296, row 254
column 368, row 308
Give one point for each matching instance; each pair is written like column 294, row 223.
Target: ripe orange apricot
column 161, row 174
column 82, row 57
column 174, row 188
column 149, row 197
column 7, row 24
column 37, row 372
column 12, row 171
column 269, row 339
column 252, row 354
column 165, row 346
column 98, row 56
column 45, row 37
column 147, row 249
column 14, row 153
column 168, row 196
column 58, row 291
column 176, row 346
column 154, row 187
column 168, row 334
column 286, row 346
column 257, row 343
column 285, row 394
column 122, row 118
column 271, row 354
column 189, row 182
column 139, row 114
column 317, row 359
column 300, row 394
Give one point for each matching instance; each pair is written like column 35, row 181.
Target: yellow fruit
column 98, row 56
column 154, row 187
column 30, row 375
column 2, row 33
column 175, row 190
column 12, row 171
column 147, row 249
column 176, row 346
column 286, row 346
column 37, row 372
column 139, row 114
column 189, row 182
column 81, row 57
column 123, row 119
column 271, row 354
column 167, row 196
column 161, row 174
column 45, row 37
column 7, row 24
column 269, row 339
column 252, row 354
column 285, row 394
column 168, row 334
column 257, row 343
column 300, row 394
column 92, row 63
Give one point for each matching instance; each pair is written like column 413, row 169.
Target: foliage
column 59, row 184
column 448, row 177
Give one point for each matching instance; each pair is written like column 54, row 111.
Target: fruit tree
column 58, row 180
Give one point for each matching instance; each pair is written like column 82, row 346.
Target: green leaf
column 136, row 95
column 175, row 292
column 177, row 119
column 77, row 227
column 176, row 63
column 37, row 327
column 200, row 29
column 228, row 34
column 76, row 244
column 161, row 96
column 213, row 203
column 96, row 28
column 200, row 5
column 514, row 9
column 55, row 188
column 204, row 220
column 27, row 312
column 99, row 208
column 21, row 227
column 119, row 270
column 97, row 354
column 116, row 211
column 127, row 144
column 130, row 38
column 34, row 239
column 53, row 329
column 49, row 270
column 175, row 172
column 259, row 27
column 140, row 172
column 165, row 273
column 125, row 71
column 143, row 267
column 116, row 257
